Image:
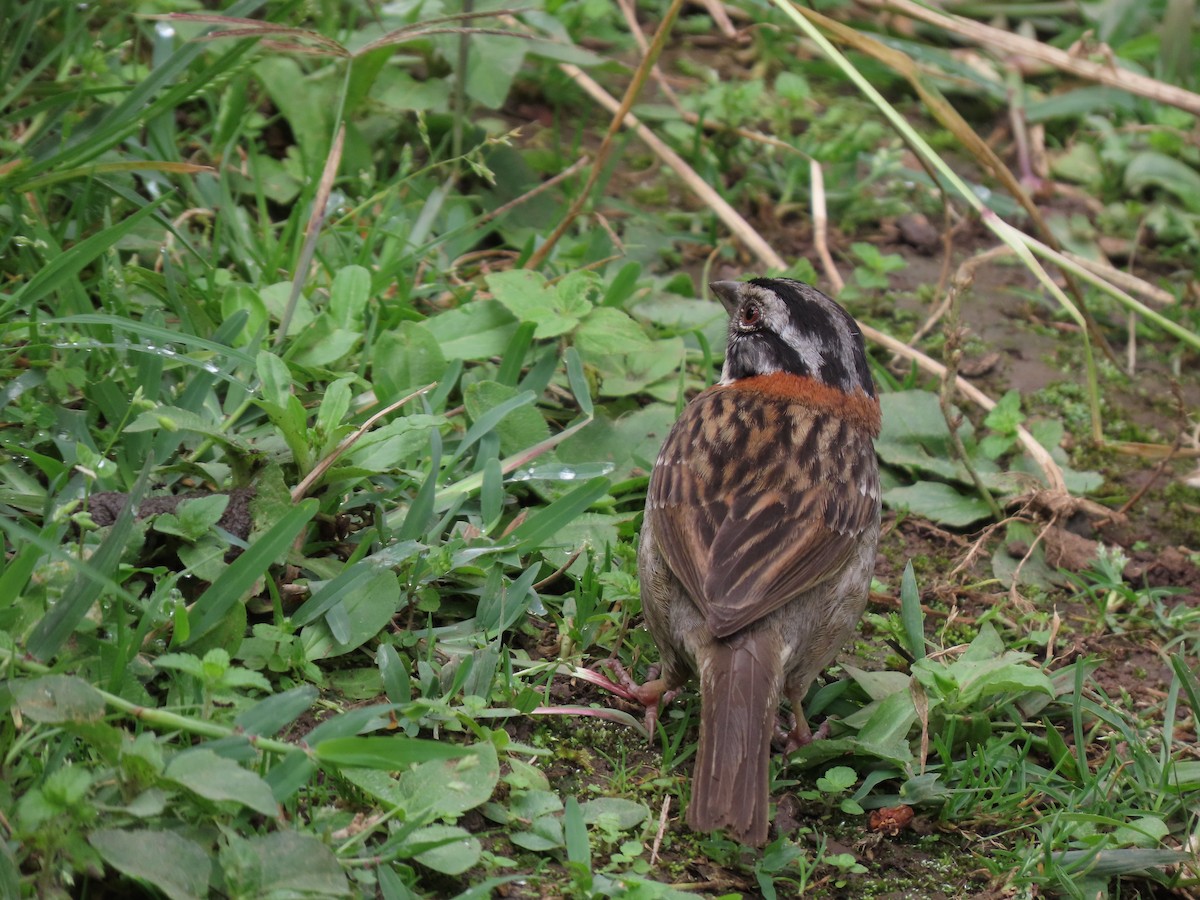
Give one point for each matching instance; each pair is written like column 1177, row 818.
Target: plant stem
column 618, row 121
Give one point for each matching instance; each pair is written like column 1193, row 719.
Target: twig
column 635, row 29
column 820, row 220
column 662, row 827
column 533, row 192
column 1024, row 606
column 978, row 544
column 300, row 490
column 1124, row 280
column 557, row 573
column 720, row 17
column 1007, row 42
column 631, row 93
column 953, row 354
column 733, row 221
column 315, row 221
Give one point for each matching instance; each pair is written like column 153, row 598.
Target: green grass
column 235, row 264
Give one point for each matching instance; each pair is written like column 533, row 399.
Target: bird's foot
column 651, row 693
column 801, row 735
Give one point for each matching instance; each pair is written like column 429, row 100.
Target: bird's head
column 782, row 325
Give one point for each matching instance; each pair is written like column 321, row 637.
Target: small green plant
column 1002, row 422
column 218, row 680
column 1119, row 606
column 871, row 273
column 831, row 788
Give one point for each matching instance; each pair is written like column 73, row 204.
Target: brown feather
column 775, row 529
column 739, row 691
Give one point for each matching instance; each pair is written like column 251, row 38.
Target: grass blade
column 544, row 523
column 244, row 571
column 70, row 262
column 58, row 624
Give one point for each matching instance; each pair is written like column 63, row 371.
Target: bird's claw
column 651, row 693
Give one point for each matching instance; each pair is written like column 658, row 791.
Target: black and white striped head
column 783, row 325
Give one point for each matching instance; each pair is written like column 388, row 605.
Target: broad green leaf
column 607, row 331
column 624, row 813
column 527, row 295
column 284, row 865
column 172, row 418
column 589, row 531
column 886, row 731
column 170, row 862
column 492, row 65
column 272, row 715
column 325, row 595
column 393, row 445
column 440, row 787
column 1080, row 102
column 348, row 296
column 915, row 437
column 388, row 753
column 57, row 699
column 911, row 614
column 491, row 416
column 397, row 683
column 220, row 780
column 193, row 518
column 368, row 608
column 403, row 359
column 309, row 112
column 478, row 330
column 322, row 343
column 276, row 298
column 241, row 298
column 633, row 371
column 1008, row 676
column 545, row 833
column 877, row 684
column 276, row 380
column 629, row 442
column 575, row 834
column 578, row 381
column 939, row 502
column 445, row 848
column 335, row 403
column 1150, row 169
column 1142, row 831
column 519, row 428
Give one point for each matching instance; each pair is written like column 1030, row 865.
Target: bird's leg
column 801, row 735
column 650, row 693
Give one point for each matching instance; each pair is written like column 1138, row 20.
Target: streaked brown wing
column 747, row 523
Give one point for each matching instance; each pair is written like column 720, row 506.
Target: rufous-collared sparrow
column 759, row 539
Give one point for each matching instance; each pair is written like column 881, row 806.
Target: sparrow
column 759, row 536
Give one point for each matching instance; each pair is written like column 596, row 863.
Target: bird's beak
column 728, row 292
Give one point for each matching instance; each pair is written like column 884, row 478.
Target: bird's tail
column 739, row 692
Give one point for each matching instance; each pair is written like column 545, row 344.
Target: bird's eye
column 751, row 315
